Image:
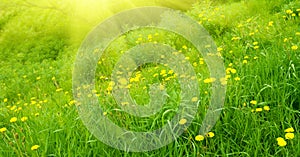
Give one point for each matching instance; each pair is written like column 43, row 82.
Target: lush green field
column 259, row 41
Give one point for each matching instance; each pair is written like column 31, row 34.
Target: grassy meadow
column 259, row 41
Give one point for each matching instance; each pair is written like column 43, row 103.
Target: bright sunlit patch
column 85, row 15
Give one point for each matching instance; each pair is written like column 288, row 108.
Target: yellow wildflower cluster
column 148, row 38
column 258, row 109
column 289, row 135
column 137, row 77
column 209, row 80
column 166, row 75
column 201, row 137
column 110, row 87
column 230, row 71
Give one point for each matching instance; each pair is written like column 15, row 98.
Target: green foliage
column 32, row 35
column 255, row 38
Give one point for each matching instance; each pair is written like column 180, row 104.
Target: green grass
column 36, row 64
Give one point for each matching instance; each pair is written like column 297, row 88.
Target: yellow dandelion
column 237, row 78
column 13, row 119
column 170, row 72
column 140, row 39
column 109, row 89
column 289, row 136
column 23, row 119
column 195, row 64
column 289, row 130
column 102, row 77
column 111, row 83
column 297, row 33
column 253, row 102
column 228, row 70
column 289, row 11
column 245, row 61
column 149, row 36
column 199, row 138
column 294, row 47
column 5, row 100
column 104, row 113
column 13, row 107
column 285, row 39
column 267, row 108
column 233, row 71
column 210, row 134
column 255, row 43
column 258, row 109
column 219, row 49
column 223, row 80
column 162, row 87
column 182, row 121
column 201, row 61
column 184, row 47
column 256, row 47
column 270, row 23
column 162, row 72
column 281, row 142
column 3, row 130
column 58, row 89
column 194, row 99
column 209, row 80
column 167, row 79
column 35, row 147
column 38, row 78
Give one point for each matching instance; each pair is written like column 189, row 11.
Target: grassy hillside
column 259, row 41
